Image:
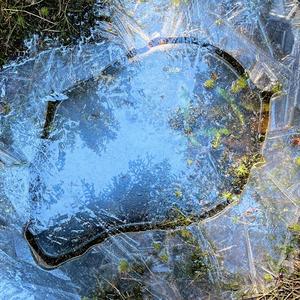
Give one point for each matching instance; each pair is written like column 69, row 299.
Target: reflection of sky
column 157, row 88
column 135, row 140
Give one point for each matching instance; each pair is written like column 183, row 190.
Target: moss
column 235, row 219
column 178, row 193
column 188, row 130
column 227, row 195
column 189, row 162
column 119, row 289
column 193, row 263
column 240, row 84
column 119, row 286
column 123, row 266
column 176, row 2
column 277, row 88
column 178, row 218
column 197, row 262
column 230, row 100
column 138, row 267
column 297, row 161
column 219, row 22
column 4, row 108
column 156, row 246
column 295, row 228
column 219, row 133
column 286, row 285
column 242, row 170
column 190, row 261
column 209, row 84
column 164, row 257
column 287, row 249
column 186, row 234
column 267, row 277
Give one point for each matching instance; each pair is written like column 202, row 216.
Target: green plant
column 186, row 234
column 156, row 246
column 277, row 88
column 178, row 193
column 209, row 84
column 44, row 11
column 164, row 257
column 219, row 22
column 268, row 277
column 240, row 84
column 242, row 170
column 218, row 134
column 227, row 195
column 230, row 100
column 295, row 228
column 189, row 162
column 123, row 266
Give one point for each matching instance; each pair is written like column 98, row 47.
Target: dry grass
column 285, row 287
column 19, row 19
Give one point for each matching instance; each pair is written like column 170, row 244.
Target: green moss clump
column 219, row 22
column 176, row 2
column 219, row 133
column 4, row 108
column 297, row 161
column 235, row 219
column 44, row 11
column 227, row 195
column 123, row 266
column 242, row 170
column 178, row 218
column 164, row 257
column 277, row 88
column 240, row 84
column 268, row 277
column 209, row 84
column 197, row 263
column 231, row 101
column 295, row 228
column 186, row 234
column 156, row 246
column 189, row 162
column 178, row 193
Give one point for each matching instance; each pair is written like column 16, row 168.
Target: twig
column 29, row 13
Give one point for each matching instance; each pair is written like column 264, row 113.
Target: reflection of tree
column 144, row 193
column 83, row 114
column 90, row 117
column 140, row 194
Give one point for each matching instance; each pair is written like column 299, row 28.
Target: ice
column 114, row 116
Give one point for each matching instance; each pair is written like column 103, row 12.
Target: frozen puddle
column 104, row 144
column 163, row 139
